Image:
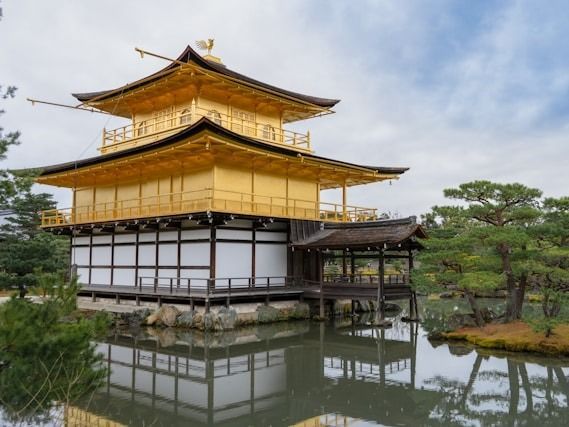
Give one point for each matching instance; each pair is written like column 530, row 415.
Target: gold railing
column 206, row 200
column 142, row 132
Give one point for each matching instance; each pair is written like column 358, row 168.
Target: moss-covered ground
column 515, row 336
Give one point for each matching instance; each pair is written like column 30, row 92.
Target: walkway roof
column 369, row 235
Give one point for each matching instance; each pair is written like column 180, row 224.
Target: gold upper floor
column 192, row 87
column 155, row 125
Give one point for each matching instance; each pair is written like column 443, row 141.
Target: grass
column 515, row 336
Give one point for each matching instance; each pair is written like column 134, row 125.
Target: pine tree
column 24, row 249
column 484, row 243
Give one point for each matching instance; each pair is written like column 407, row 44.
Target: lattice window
column 186, row 116
column 214, row 116
column 243, row 121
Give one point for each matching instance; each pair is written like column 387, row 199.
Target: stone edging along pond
column 515, row 336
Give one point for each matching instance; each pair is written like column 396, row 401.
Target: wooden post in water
column 413, row 311
column 381, row 285
column 320, row 268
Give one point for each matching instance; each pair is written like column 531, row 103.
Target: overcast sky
column 455, row 90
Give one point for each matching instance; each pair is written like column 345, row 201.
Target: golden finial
column 205, row 45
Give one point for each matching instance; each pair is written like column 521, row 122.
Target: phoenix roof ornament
column 205, row 45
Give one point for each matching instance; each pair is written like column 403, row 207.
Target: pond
column 314, row 374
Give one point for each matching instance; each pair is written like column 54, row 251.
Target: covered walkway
column 315, row 246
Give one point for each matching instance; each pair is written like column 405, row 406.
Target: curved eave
column 190, row 55
column 396, row 235
column 206, row 125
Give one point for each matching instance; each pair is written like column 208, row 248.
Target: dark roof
column 191, row 55
column 202, row 125
column 369, row 234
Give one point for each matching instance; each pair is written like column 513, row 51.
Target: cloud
column 454, row 90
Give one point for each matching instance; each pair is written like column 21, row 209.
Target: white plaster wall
column 147, row 237
column 195, row 234
column 81, row 240
column 124, row 276
column 101, row 255
column 233, row 260
column 270, row 260
column 168, row 235
column 102, row 239
column 125, row 238
column 168, row 254
column 194, row 254
column 80, row 256
column 83, row 275
column 101, row 276
column 125, row 255
column 147, row 255
column 234, row 234
column 271, row 236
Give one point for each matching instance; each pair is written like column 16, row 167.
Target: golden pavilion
column 204, row 184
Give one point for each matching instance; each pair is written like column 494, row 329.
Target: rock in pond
column 166, row 315
column 185, row 319
column 268, row 314
column 227, row 317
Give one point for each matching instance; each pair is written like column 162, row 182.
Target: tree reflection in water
column 506, row 397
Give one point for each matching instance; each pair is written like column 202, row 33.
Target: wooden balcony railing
column 146, row 131
column 206, row 200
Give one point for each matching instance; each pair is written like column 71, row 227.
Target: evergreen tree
column 551, row 272
column 485, row 242
column 7, row 187
column 24, row 249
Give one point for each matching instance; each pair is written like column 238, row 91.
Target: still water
column 344, row 373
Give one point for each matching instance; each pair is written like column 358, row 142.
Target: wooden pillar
column 157, row 253
column 253, row 254
column 136, row 256
column 179, row 255
column 212, row 250
column 344, row 201
column 212, row 266
column 90, row 256
column 413, row 332
column 344, row 264
column 352, row 266
column 112, row 257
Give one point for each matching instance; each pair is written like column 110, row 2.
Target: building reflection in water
column 293, row 374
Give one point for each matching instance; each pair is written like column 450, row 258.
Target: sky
column 454, row 90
